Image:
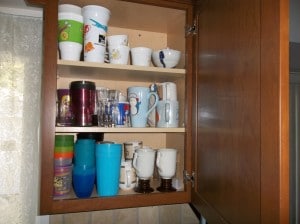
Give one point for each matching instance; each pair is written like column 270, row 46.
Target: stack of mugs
column 127, row 173
column 63, row 154
column 118, row 49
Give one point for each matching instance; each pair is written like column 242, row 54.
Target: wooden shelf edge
column 118, row 130
column 120, row 67
column 104, row 203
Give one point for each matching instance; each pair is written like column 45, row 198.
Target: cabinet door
column 240, row 123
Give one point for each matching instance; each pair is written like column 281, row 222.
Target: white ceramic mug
column 127, row 176
column 141, row 56
column 167, row 91
column 166, row 162
column 143, row 162
column 167, row 114
column 116, row 40
column 118, row 54
column 139, row 98
column 129, row 149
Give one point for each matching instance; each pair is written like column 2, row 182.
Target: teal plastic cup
column 84, row 152
column 108, row 165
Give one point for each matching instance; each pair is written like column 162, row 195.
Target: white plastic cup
column 69, row 8
column 70, row 37
column 141, row 56
column 95, row 28
column 115, row 40
column 118, row 54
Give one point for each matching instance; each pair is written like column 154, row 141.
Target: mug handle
column 134, row 161
column 167, row 112
column 158, row 160
column 155, row 103
column 128, row 178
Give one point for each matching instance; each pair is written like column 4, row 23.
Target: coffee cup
column 127, row 176
column 139, row 98
column 141, row 56
column 167, row 114
column 167, row 91
column 143, row 162
column 118, row 54
column 129, row 149
column 116, row 40
column 166, row 162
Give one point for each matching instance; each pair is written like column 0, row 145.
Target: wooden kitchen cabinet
column 233, row 91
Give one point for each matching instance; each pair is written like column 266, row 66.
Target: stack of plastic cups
column 84, row 171
column 63, row 154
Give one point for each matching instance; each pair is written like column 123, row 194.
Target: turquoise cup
column 84, row 152
column 108, row 165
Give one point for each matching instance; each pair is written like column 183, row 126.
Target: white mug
column 127, row 176
column 115, row 40
column 166, row 162
column 139, row 98
column 118, row 54
column 167, row 114
column 129, row 149
column 167, row 91
column 141, row 56
column 143, row 162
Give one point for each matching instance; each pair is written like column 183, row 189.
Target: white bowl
column 166, row 58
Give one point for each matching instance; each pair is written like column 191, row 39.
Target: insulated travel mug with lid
column 82, row 96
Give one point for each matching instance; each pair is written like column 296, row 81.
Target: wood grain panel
column 228, row 109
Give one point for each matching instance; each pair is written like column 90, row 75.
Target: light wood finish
column 58, row 74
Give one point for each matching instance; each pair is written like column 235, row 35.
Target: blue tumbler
column 83, row 180
column 108, row 165
column 84, row 152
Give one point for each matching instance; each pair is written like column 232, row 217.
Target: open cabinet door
column 240, row 132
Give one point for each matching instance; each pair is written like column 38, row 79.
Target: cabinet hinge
column 191, row 29
column 187, row 177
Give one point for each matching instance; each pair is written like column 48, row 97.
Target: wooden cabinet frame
column 273, row 175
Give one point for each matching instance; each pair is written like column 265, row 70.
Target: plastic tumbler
column 84, row 152
column 63, row 150
column 62, row 180
column 83, row 180
column 108, row 163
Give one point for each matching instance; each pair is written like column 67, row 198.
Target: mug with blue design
column 95, row 20
column 139, row 99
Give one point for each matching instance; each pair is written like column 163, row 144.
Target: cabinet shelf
column 118, row 130
column 104, row 71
